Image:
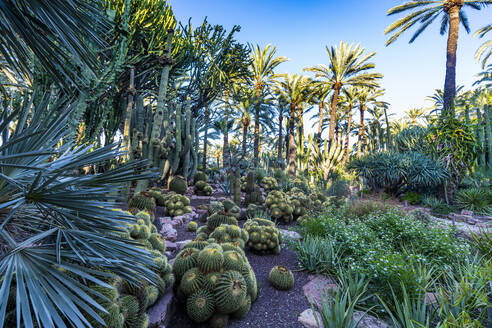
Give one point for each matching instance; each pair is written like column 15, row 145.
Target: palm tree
column 263, row 64
column 365, row 97
column 348, row 66
column 320, row 91
column 414, row 115
column 350, row 101
column 425, row 13
column 294, row 89
column 484, row 53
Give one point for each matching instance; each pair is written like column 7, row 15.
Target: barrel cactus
column 215, row 220
column 278, row 204
column 178, row 184
column 264, row 237
column 176, row 204
column 281, row 278
column 202, row 188
column 230, row 208
column 192, row 226
column 215, row 207
column 269, row 183
column 226, row 233
column 142, row 201
column 300, row 202
column 156, row 193
column 200, row 176
column 214, row 283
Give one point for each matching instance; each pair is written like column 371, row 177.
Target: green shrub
column 482, row 241
column 395, row 173
column 361, row 208
column 478, row 200
column 437, row 206
column 318, row 255
column 412, row 197
column 200, row 176
column 411, row 139
column 339, row 188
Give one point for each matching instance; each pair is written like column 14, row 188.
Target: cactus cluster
column 213, row 222
column 178, row 185
column 263, row 236
column 300, row 202
column 156, row 193
column 281, row 278
column 269, row 183
column 317, row 200
column 176, row 204
column 200, row 176
column 215, row 207
column 231, row 209
column 202, row 188
column 278, row 204
column 215, row 282
column 125, row 303
column 227, row 233
column 253, row 192
column 142, row 201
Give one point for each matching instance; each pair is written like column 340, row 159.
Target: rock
column 177, row 222
column 308, row 320
column 243, row 215
column 168, row 232
column 180, row 244
column 202, row 215
column 368, row 321
column 170, row 246
column 290, row 235
column 161, row 312
column 318, row 287
column 165, row 219
column 467, row 212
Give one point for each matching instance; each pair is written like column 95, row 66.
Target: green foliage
column 482, row 241
column 176, row 204
column 214, row 282
column 396, row 173
column 281, row 278
column 478, row 200
column 318, row 255
column 178, row 184
column 437, row 206
column 156, row 192
column 339, row 188
column 421, row 215
column 217, row 219
column 412, row 197
column 411, row 139
column 264, row 238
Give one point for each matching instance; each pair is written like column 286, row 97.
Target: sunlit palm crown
column 424, row 13
column 484, row 53
column 348, row 66
column 293, row 89
column 263, row 64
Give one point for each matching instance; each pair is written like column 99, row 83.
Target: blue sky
column 302, row 29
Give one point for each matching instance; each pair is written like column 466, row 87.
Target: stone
column 244, row 214
column 177, row 222
column 168, row 232
column 290, row 235
column 308, row 319
column 171, row 246
column 368, row 321
column 202, row 215
column 467, row 212
column 180, row 244
column 165, row 219
column 161, row 312
column 318, row 287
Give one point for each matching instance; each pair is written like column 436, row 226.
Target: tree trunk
column 225, row 146
column 452, row 45
column 333, row 113
column 245, row 135
column 320, row 122
column 128, row 113
column 205, row 139
column 361, row 130
column 279, row 149
column 388, row 130
column 292, row 141
column 257, row 129
column 347, row 135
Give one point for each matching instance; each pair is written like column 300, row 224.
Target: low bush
column 437, row 206
column 478, row 200
column 412, row 197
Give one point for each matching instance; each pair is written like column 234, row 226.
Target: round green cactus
column 156, row 193
column 202, row 188
column 269, row 183
column 178, row 184
column 227, row 233
column 215, row 207
column 200, row 176
column 192, row 226
column 263, row 236
column 278, row 204
column 281, row 278
column 219, row 284
column 185, row 260
column 177, row 204
column 142, row 201
column 215, row 220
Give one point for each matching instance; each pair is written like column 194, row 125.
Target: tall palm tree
column 414, row 115
column 365, row 97
column 350, row 101
column 320, row 92
column 424, row 13
column 294, row 89
column 484, row 53
column 263, row 64
column 349, row 66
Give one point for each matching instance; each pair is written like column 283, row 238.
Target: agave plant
column 478, row 200
column 58, row 227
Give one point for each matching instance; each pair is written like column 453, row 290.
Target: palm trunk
column 245, row 135
column 361, row 130
column 388, row 132
column 128, row 113
column 333, row 112
column 279, row 150
column 205, row 140
column 257, row 129
column 292, row 141
column 320, row 122
column 452, row 45
column 347, row 135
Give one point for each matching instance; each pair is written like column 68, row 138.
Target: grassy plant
column 437, row 206
column 318, row 255
column 482, row 241
column 478, row 200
